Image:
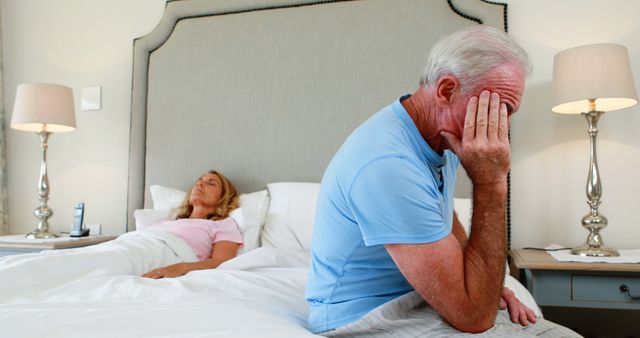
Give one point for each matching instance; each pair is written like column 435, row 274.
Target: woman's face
column 207, row 191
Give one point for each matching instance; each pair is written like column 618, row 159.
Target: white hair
column 469, row 54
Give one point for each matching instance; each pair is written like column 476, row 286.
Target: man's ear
column 445, row 88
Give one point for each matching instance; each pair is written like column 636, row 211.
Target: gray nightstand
column 583, row 294
column 11, row 245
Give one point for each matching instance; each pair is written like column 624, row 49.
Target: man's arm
column 458, row 231
column 463, row 283
column 519, row 313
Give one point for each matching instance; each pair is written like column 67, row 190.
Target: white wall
column 551, row 151
column 78, row 43
column 88, row 42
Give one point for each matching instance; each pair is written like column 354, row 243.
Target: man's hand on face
column 484, row 150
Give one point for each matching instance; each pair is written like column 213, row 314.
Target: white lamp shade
column 43, row 107
column 601, row 72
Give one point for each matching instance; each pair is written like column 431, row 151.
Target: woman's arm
column 222, row 251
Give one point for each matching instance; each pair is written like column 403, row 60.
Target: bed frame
column 268, row 90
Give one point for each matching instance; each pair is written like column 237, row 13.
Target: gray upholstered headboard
column 267, row 90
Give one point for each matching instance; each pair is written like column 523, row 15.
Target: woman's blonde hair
column 229, row 200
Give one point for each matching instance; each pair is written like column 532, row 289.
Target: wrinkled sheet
column 134, row 253
column 264, row 299
column 97, row 292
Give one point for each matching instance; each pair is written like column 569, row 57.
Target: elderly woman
column 203, row 222
column 202, row 237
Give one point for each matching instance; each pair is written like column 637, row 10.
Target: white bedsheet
column 61, row 294
column 133, row 253
column 211, row 303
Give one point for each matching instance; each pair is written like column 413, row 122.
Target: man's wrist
column 498, row 186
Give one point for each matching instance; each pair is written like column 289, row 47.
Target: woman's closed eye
column 211, row 183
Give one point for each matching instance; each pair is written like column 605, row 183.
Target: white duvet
column 131, row 254
column 97, row 292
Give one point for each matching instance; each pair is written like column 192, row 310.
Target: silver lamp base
column 589, row 251
column 594, row 221
column 43, row 212
column 41, row 235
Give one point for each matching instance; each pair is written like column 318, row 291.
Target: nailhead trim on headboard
column 506, row 29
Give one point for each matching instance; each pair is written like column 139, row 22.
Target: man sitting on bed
column 385, row 224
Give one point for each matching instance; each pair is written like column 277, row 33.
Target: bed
column 265, row 92
column 97, row 292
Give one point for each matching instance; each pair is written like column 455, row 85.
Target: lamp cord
column 543, row 249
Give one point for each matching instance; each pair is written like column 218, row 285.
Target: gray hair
column 469, row 54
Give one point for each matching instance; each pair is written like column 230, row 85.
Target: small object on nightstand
column 78, row 216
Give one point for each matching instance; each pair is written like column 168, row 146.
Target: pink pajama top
column 201, row 234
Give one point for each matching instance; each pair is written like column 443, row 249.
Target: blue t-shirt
column 384, row 186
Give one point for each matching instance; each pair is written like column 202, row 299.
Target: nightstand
column 17, row 244
column 584, row 295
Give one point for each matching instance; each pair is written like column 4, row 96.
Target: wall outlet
column 91, row 98
column 94, row 229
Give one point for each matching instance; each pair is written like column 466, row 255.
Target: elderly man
column 385, row 224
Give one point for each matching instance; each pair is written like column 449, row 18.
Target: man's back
column 385, row 185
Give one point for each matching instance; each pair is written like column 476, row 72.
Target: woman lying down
column 202, row 237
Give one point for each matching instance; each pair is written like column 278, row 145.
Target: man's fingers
column 469, row 131
column 503, row 127
column 513, row 305
column 483, row 114
column 503, row 304
column 494, row 116
column 514, row 312
column 531, row 315
column 523, row 316
column 518, row 315
column 518, row 312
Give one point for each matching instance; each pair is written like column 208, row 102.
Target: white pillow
column 291, row 214
column 292, row 209
column 250, row 217
column 146, row 217
column 255, row 206
column 165, row 198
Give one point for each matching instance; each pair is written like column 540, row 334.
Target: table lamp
column 43, row 109
column 591, row 80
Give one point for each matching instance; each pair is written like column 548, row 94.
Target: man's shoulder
column 387, row 118
column 384, row 134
